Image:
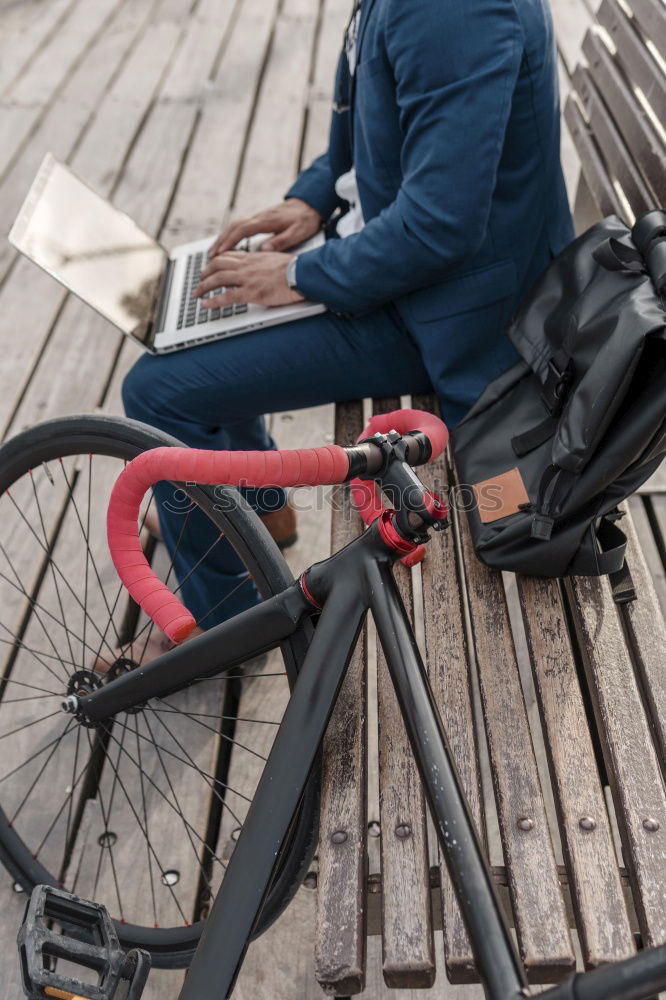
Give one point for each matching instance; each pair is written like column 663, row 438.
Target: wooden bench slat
column 646, row 630
column 591, row 162
column 449, row 672
column 539, row 912
column 617, row 157
column 649, row 15
column 594, row 878
column 407, row 931
column 631, row 759
column 634, row 57
column 648, row 150
column 340, row 936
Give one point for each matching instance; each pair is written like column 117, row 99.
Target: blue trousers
column 215, row 395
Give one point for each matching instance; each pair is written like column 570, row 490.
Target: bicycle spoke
column 181, row 760
column 205, row 715
column 47, row 549
column 145, row 819
column 27, row 725
column 36, row 606
column 220, row 603
column 35, row 611
column 105, row 819
column 171, row 805
column 59, row 813
column 40, row 773
column 56, row 571
column 152, row 849
column 32, row 687
column 37, row 653
column 212, row 783
column 189, row 835
column 212, row 729
column 28, row 760
column 86, row 538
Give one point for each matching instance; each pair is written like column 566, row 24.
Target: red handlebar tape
column 302, row 467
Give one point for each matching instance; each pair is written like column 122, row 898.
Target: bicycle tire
column 171, row 947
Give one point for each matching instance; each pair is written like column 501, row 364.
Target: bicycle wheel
column 142, row 813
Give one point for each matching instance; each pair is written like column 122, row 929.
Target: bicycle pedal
column 60, row 927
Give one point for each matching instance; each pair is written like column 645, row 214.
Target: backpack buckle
column 556, row 387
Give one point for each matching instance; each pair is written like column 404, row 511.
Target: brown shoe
column 281, row 525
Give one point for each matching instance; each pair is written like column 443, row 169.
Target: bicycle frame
column 353, row 581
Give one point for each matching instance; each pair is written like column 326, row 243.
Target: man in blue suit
column 443, row 195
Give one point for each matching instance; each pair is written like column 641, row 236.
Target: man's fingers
column 220, row 279
column 230, row 297
column 230, row 262
column 238, row 231
column 283, row 241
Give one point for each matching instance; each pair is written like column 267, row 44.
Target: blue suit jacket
column 452, row 122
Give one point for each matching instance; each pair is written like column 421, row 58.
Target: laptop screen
column 96, row 251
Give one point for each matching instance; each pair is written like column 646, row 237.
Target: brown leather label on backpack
column 500, row 496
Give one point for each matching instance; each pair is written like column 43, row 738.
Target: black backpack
column 556, row 442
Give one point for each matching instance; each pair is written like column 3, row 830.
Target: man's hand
column 291, row 222
column 260, row 278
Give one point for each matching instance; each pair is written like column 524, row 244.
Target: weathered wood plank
column 618, row 159
column 24, row 29
column 274, row 140
column 631, row 760
column 201, row 201
column 79, row 359
column 539, row 913
column 646, row 630
column 571, row 19
column 95, row 85
column 640, row 135
column 334, row 18
column 449, row 671
column 407, row 932
column 24, row 102
column 145, row 188
column 596, row 890
column 649, row 15
column 634, row 57
column 591, row 163
column 341, row 910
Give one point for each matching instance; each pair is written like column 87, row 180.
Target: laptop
column 101, row 255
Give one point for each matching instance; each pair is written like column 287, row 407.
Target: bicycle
column 324, row 611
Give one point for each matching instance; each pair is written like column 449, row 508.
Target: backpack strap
column 553, row 393
column 606, row 557
column 523, row 444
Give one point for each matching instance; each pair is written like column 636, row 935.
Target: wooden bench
column 596, row 862
column 560, row 690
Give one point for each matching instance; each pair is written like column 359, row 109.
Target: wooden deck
column 183, row 113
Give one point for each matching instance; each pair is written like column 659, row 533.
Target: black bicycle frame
column 356, row 579
column 339, row 592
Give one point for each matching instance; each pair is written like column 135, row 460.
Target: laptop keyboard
column 191, row 312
